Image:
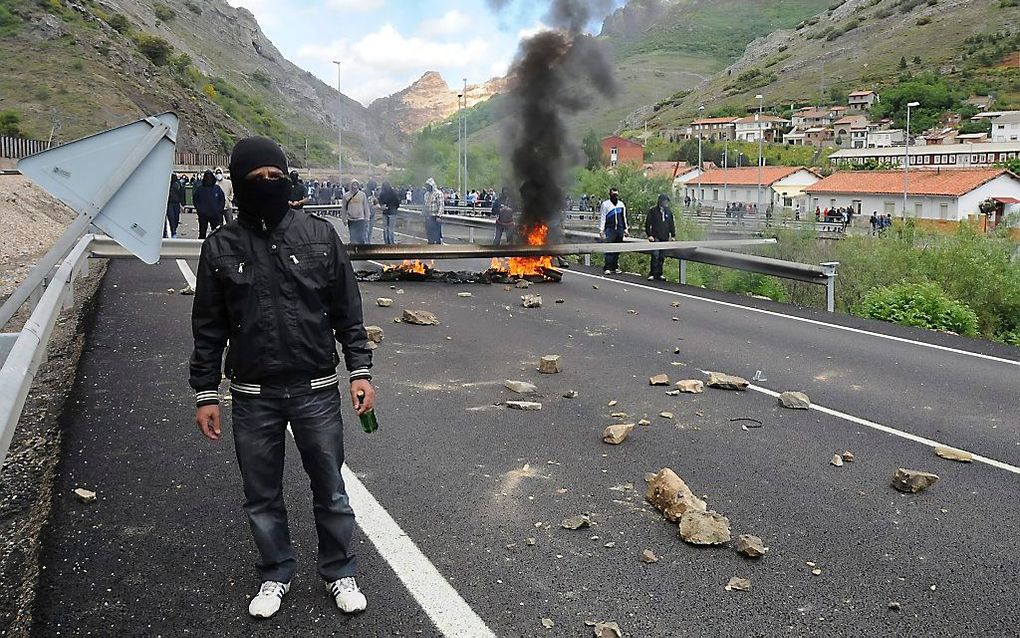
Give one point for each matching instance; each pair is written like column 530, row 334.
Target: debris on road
column 751, row 546
column 659, row 379
column 400, row 291
column 464, row 294
column 612, row 403
column 954, row 455
column 610, row 544
column 549, row 364
column 816, row 572
column 420, row 318
column 668, row 493
column 616, row 434
column 524, row 405
column 738, row 584
column 576, row 522
column 676, row 350
column 384, row 302
column 675, row 304
column 913, row 481
column 648, row 556
column 794, row 400
column 631, row 311
column 530, row 541
column 594, row 287
column 691, row 386
column 836, row 460
column 644, row 422
column 523, row 284
column 531, row 301
column 672, row 393
column 848, row 457
column 560, row 301
column 520, row 387
column 700, row 527
column 608, row 629
column 619, row 415
column 84, row 495
column 171, row 291
column 726, row 381
column 548, row 623
column 666, row 415
column 570, row 394
column 187, row 291
column 375, row 334
column 893, row 605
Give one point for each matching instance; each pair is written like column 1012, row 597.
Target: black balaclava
column 261, row 200
column 614, row 196
column 208, row 179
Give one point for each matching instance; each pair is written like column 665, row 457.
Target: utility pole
column 339, row 129
column 465, row 142
column 460, row 142
column 701, row 164
column 906, row 158
column 761, row 137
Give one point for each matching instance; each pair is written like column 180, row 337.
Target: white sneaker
column 608, row 272
column 349, row 598
column 618, row 271
column 651, row 279
column 267, row 601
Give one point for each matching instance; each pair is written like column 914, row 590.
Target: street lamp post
column 465, row 140
column 906, row 158
column 460, row 141
column 701, row 163
column 339, row 132
column 761, row 135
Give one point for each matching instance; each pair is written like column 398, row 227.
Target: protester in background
column 613, row 227
column 358, row 212
column 503, row 209
column 228, row 195
column 432, row 209
column 173, row 205
column 390, row 202
column 209, row 204
column 659, row 226
column 298, row 191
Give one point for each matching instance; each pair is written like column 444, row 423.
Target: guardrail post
column 683, row 271
column 471, row 234
column 587, row 259
column 830, row 284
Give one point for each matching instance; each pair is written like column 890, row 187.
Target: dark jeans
column 613, row 236
column 502, row 230
column 389, row 231
column 433, row 229
column 173, row 216
column 359, row 230
column 260, row 437
column 658, row 257
column 205, row 222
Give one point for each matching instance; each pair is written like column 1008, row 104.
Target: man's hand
column 650, row 238
column 208, row 419
column 602, row 236
column 366, row 404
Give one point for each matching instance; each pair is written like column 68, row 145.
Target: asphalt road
column 165, row 550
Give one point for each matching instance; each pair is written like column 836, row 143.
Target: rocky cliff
column 428, row 100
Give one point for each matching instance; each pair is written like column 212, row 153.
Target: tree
column 10, row 124
column 592, row 150
column 931, row 90
column 903, row 62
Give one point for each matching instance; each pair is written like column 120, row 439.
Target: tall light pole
column 701, row 164
column 906, row 158
column 339, row 128
column 725, row 167
column 465, row 141
column 761, row 136
column 460, row 141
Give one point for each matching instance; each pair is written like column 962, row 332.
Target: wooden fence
column 18, row 147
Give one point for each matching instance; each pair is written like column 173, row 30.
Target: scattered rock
column 676, row 350
column 644, row 422
column 632, row 312
column 794, row 400
column 648, row 556
column 531, row 301
column 400, row 291
column 913, row 481
column 666, row 415
column 751, row 546
column 692, row 386
column 699, row 527
column 612, row 403
column 738, row 584
column 464, row 294
column 954, row 455
column 576, row 522
column 523, row 284
column 608, row 629
column 84, row 495
column 594, row 287
column 548, row 623
column 530, row 541
column 570, row 394
column 171, row 291
column 549, row 364
column 619, row 415
column 675, row 304
column 398, row 320
column 668, row 493
column 816, row 572
column 520, row 387
column 561, row 301
column 187, row 291
column 676, row 318
column 524, row 405
column 672, row 393
column 659, row 379
column 726, row 381
column 893, row 605
column 384, row 302
column 848, row 457
column 836, row 460
column 371, row 345
column 375, row 334
column 610, row 544
column 420, row 318
column 615, row 434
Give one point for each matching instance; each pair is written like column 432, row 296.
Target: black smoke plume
column 556, row 73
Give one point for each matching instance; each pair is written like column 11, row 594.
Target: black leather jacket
column 280, row 297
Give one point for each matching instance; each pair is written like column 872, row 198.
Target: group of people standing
column 613, row 228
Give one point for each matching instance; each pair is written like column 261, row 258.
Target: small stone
column 738, row 584
column 393, row 287
column 508, row 288
column 548, row 623
column 420, row 318
column 675, row 304
column 561, row 301
column 659, row 379
column 816, row 572
column 549, row 364
column 398, row 320
column 836, row 460
column 531, row 301
column 530, row 541
column 576, row 522
column 913, row 481
column 612, row 403
column 668, row 493
column 520, row 387
column 523, row 284
column 84, row 495
column 464, row 294
column 648, row 556
column 400, row 291
column 610, row 544
column 893, row 605
column 616, row 434
column 751, row 546
column 794, row 400
column 371, row 345
column 700, row 527
column 672, row 393
column 570, row 394
column 666, row 415
column 848, row 457
column 954, row 455
column 171, row 291
column 375, row 334
column 631, row 311
column 676, row 318
column 187, row 291
column 384, row 302
column 608, row 629
column 726, row 381
column 619, row 415
column 676, row 350
column 524, row 405
column 692, row 386
column 644, row 422
column 594, row 287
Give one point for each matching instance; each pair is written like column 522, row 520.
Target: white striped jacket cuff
column 207, row 397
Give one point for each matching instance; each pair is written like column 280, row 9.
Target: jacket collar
column 257, row 225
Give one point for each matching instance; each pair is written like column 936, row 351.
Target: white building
column 1006, row 127
column 947, row 155
column 884, row 138
column 780, row 185
column 939, row 195
column 750, row 128
column 862, row 100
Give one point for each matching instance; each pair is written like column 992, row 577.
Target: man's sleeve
column 602, row 215
column 626, row 226
column 672, row 225
column 346, row 316
column 209, row 329
column 648, row 223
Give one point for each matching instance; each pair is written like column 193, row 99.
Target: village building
column 1006, row 127
column 951, row 155
column 851, row 131
column 753, row 127
column 713, row 128
column 779, row 186
column 809, row 117
column 617, row 150
column 669, row 170
column 886, row 137
column 935, row 196
column 862, row 100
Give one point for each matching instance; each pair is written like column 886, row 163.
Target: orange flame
column 411, row 266
column 523, row 266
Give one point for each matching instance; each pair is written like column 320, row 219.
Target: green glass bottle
column 368, row 421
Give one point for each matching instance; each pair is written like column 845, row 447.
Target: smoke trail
column 551, row 77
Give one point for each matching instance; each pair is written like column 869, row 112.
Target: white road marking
column 890, row 430
column 189, row 276
column 814, row 322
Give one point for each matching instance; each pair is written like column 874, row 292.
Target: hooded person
column 298, row 191
column 613, row 227
column 209, row 204
column 278, row 286
column 433, row 207
column 358, row 212
column 659, row 226
column 390, row 202
column 228, row 194
column 174, row 201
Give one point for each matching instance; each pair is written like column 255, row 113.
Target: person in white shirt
column 613, row 227
column 228, row 193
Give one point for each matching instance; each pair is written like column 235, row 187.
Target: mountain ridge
column 429, row 99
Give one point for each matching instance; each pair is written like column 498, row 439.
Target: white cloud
column 452, row 22
column 363, row 6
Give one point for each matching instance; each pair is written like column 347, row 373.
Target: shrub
column 261, row 77
column 924, row 305
column 155, row 48
column 119, row 23
column 923, row 21
column 10, row 123
column 180, row 63
column 164, row 13
column 9, row 22
column 192, row 7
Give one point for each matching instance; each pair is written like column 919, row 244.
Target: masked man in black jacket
column 278, row 287
column 659, row 226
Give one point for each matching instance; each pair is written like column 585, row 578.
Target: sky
column 385, row 45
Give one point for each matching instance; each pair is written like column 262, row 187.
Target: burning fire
column 524, row 266
column 412, row 266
